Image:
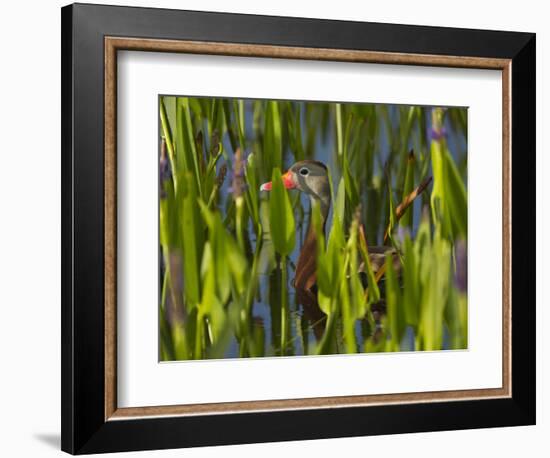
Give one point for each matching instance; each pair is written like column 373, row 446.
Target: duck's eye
column 304, row 171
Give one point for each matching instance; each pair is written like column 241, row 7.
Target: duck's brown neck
column 307, row 261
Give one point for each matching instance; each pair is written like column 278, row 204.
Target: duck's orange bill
column 288, row 182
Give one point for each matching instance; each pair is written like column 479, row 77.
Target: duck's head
column 310, row 177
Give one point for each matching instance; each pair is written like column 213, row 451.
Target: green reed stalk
column 168, row 139
column 284, row 305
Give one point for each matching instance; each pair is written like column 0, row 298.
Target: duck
column 311, row 177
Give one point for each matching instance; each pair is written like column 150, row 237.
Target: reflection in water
column 305, row 321
column 312, row 316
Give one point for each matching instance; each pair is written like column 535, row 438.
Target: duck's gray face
column 311, row 177
column 308, row 176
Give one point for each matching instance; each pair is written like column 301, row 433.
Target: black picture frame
column 84, row 427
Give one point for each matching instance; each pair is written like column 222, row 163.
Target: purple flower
column 243, row 188
column 402, row 233
column 221, row 175
column 238, row 184
column 437, row 131
column 461, row 272
column 165, row 171
column 437, row 134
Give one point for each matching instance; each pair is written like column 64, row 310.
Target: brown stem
column 406, row 203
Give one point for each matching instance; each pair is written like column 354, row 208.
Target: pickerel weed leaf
column 252, row 195
column 192, row 236
column 167, row 130
column 407, row 218
column 394, row 303
column 449, row 200
column 340, row 202
column 329, row 268
column 358, row 300
column 281, row 218
column 372, row 290
column 434, row 295
column 210, row 306
column 273, row 142
column 411, row 283
column 185, row 142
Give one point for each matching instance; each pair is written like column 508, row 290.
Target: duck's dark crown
column 312, row 161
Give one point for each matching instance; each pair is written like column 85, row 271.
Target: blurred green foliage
column 228, row 251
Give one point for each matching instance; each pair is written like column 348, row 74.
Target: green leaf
column 408, row 186
column 340, row 202
column 329, row 267
column 348, row 316
column 228, row 124
column 281, row 218
column 449, row 200
column 435, row 290
column 210, row 305
column 238, row 107
column 230, row 262
column 339, row 129
column 252, row 194
column 411, row 283
column 185, row 142
column 192, row 234
column 456, row 318
column 167, row 134
column 273, row 143
column 352, row 193
column 394, row 304
column 357, row 294
column 294, row 125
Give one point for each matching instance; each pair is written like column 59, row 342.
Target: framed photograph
column 283, row 228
